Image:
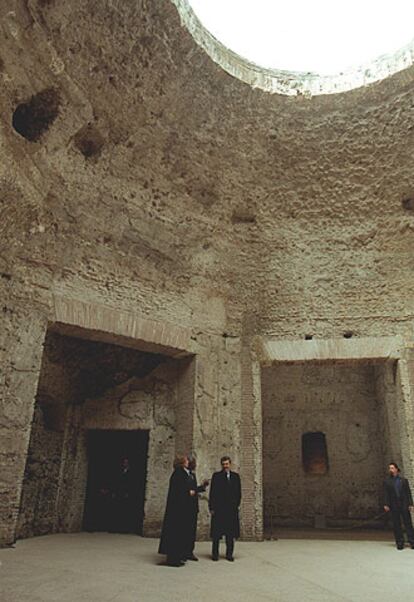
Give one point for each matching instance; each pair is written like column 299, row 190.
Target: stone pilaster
column 251, row 446
column 184, row 409
column 405, row 380
column 22, row 336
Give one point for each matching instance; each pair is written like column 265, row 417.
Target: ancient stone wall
column 389, row 396
column 400, row 408
column 148, row 197
column 217, row 410
column 38, row 504
column 341, row 402
column 21, row 347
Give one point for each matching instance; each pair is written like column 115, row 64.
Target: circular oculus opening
column 302, row 47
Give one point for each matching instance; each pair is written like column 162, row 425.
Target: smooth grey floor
column 124, row 568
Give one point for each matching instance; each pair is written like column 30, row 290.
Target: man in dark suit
column 177, row 523
column 399, row 501
column 124, row 493
column 224, row 502
column 195, row 508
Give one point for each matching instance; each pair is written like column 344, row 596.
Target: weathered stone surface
column 344, row 403
column 332, row 350
column 170, row 208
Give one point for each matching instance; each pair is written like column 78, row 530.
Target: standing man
column 224, row 502
column 194, row 510
column 177, row 524
column 399, row 501
column 123, row 498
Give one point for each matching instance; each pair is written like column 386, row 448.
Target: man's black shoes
column 230, row 558
column 214, row 557
column 175, row 563
column 192, row 557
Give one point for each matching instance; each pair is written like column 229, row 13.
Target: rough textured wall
column 395, row 389
column 21, row 348
column 389, row 396
column 163, row 175
column 341, row 402
column 217, row 410
column 135, row 174
column 38, row 508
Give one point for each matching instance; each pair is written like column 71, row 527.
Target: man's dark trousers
column 229, row 546
column 398, row 512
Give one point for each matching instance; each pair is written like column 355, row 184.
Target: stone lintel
column 97, row 322
column 368, row 348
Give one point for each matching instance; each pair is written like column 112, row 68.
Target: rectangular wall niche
column 311, row 409
column 314, row 453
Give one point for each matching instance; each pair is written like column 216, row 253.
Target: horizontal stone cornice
column 97, row 322
column 367, row 348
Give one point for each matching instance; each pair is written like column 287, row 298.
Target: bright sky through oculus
column 318, row 36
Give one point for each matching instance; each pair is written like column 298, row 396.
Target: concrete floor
column 103, row 567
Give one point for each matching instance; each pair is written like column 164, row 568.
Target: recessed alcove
column 314, row 453
column 33, row 118
column 313, row 409
column 98, row 404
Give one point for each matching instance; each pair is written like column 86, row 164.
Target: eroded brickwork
column 158, row 203
column 341, row 402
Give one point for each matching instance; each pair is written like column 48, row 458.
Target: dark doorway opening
column 117, row 471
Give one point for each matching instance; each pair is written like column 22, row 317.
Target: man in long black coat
column 398, row 500
column 224, row 502
column 177, row 525
column 195, row 507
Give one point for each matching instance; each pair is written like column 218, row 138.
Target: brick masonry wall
column 165, row 200
column 21, row 343
column 341, row 402
column 40, row 490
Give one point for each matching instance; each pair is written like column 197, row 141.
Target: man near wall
column 177, row 523
column 123, row 498
column 224, row 502
column 195, row 507
column 399, row 501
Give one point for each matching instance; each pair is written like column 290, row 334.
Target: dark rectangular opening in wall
column 314, row 453
column 117, row 472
